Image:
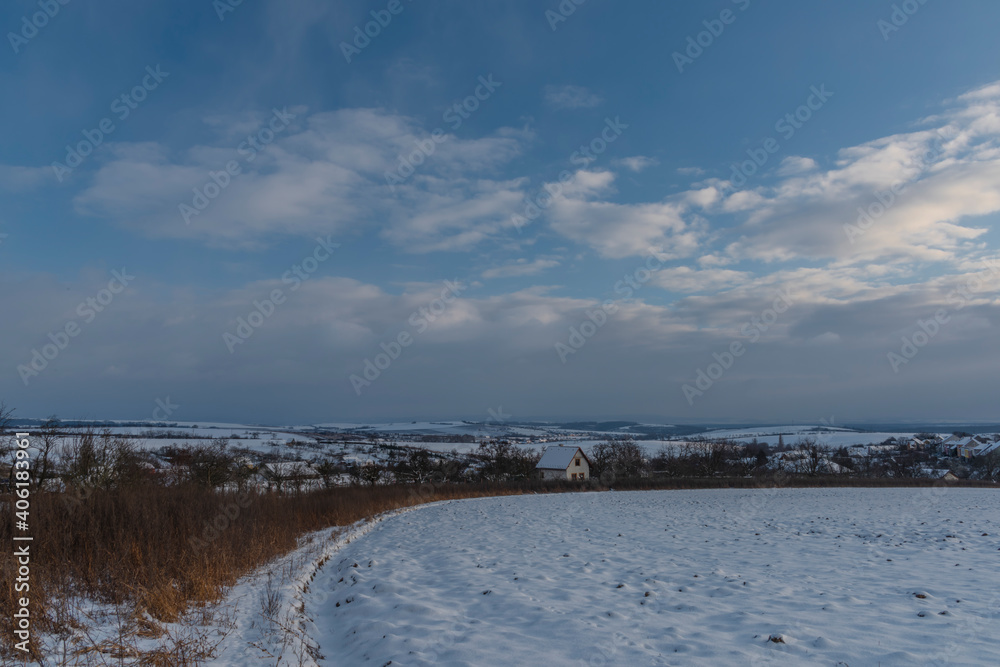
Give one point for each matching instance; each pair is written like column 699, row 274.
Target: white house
column 969, row 447
column 982, row 449
column 947, row 446
column 564, row 463
column 916, row 444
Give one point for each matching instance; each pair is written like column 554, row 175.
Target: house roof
column 559, row 458
column 986, row 449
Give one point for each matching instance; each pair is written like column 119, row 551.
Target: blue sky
column 896, row 101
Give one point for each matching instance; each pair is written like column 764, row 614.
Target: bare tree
column 102, row 461
column 989, row 465
column 276, row 475
column 665, row 463
column 6, row 417
column 48, row 437
column 328, row 470
column 617, row 458
column 496, row 456
column 6, row 441
column 501, row 461
column 815, row 456
column 213, row 465
column 843, row 459
column 371, row 473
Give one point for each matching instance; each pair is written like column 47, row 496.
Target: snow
column 205, row 432
column 988, row 449
column 856, row 576
column 395, row 427
column 825, row 436
column 840, row 576
column 258, row 637
column 748, row 433
column 240, row 629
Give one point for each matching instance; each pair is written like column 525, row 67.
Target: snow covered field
column 838, row 576
column 827, row 436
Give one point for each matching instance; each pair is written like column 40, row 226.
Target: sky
column 307, row 211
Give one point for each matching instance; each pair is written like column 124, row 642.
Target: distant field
column 837, row 576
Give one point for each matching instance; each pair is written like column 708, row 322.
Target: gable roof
column 988, row 448
column 559, row 458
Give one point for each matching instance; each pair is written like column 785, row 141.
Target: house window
column 578, row 462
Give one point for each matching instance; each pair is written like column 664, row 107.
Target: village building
column 563, row 463
column 969, row 447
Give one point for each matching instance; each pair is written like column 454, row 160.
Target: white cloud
column 794, row 165
column 453, row 214
column 684, row 279
column 636, row 163
column 325, row 174
column 945, row 177
column 19, row 179
column 620, row 230
column 521, row 267
column 715, row 260
column 827, row 338
column 571, row 97
column 327, row 328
